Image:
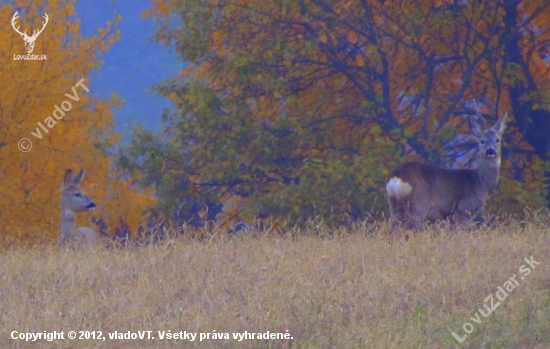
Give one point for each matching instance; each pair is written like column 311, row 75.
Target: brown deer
column 419, row 191
column 73, row 201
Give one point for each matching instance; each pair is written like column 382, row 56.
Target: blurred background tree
column 301, row 108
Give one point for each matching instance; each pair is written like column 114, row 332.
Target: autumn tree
column 48, row 103
column 300, row 108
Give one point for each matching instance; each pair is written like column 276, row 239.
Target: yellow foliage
column 33, row 93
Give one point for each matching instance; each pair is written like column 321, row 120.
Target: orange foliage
column 31, row 90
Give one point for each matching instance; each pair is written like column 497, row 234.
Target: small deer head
column 73, row 199
column 29, row 40
column 489, row 141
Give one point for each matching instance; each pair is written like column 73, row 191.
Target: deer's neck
column 68, row 222
column 488, row 174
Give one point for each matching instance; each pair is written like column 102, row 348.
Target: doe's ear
column 67, row 180
column 475, row 127
column 78, row 177
column 500, row 125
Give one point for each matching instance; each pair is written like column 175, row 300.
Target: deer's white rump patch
column 397, row 188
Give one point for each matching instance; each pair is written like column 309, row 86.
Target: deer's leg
column 418, row 211
column 461, row 217
column 397, row 213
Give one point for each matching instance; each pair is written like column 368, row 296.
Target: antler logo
column 29, row 40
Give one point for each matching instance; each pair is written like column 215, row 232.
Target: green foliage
column 207, row 155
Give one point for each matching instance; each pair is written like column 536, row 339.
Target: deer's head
column 489, row 141
column 73, row 199
column 29, row 40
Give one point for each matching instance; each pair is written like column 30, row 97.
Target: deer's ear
column 78, row 177
column 475, row 127
column 500, row 125
column 67, row 180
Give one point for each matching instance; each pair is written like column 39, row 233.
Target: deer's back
column 444, row 189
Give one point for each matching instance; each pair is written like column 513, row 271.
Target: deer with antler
column 29, row 40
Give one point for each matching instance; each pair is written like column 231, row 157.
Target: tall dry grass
column 356, row 288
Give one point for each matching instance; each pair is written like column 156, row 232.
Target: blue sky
column 134, row 64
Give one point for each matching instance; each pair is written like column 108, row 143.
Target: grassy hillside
column 339, row 289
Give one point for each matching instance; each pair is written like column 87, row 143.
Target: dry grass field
column 357, row 288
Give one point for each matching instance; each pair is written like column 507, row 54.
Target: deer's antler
column 13, row 19
column 34, row 35
column 35, row 32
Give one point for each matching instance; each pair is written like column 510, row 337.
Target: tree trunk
column 533, row 121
